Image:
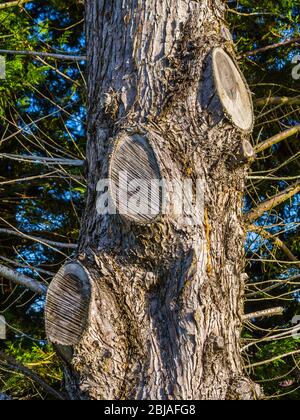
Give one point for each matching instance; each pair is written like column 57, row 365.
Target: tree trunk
column 152, row 308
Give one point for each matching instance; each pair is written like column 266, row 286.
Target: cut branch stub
column 232, row 89
column 67, row 305
column 226, row 34
column 244, row 155
column 135, row 179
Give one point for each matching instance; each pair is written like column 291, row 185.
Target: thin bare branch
column 42, row 241
column 43, row 160
column 275, row 337
column 13, row 4
column 269, row 204
column 30, row 267
column 236, row 12
column 10, row 363
column 273, row 178
column 270, row 47
column 29, row 178
column 277, row 100
column 65, row 76
column 265, row 362
column 267, row 235
column 23, row 280
column 46, row 55
column 277, row 138
column 264, row 314
column 283, row 280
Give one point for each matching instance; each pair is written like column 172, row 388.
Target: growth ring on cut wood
column 232, row 90
column 67, row 305
column 135, row 179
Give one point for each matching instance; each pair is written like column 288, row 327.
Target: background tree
column 42, row 115
column 273, row 240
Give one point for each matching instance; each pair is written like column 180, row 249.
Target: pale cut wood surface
column 135, row 176
column 67, row 306
column 233, row 92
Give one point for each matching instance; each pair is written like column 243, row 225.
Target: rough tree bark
column 152, row 309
